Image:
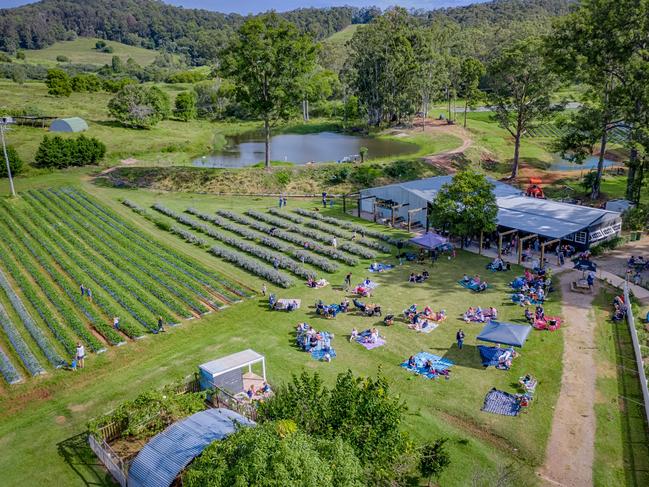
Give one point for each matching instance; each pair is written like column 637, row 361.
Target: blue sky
column 254, row 6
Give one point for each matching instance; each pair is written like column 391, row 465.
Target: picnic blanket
column 369, row 285
column 517, row 283
column 440, row 365
column 501, row 402
column 428, row 327
column 319, row 354
column 283, row 303
column 472, row 285
column 490, row 355
column 544, row 324
column 364, row 339
column 380, row 267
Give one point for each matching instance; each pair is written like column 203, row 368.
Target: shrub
column 191, row 76
column 185, row 105
column 85, row 82
column 139, row 106
column 58, row 83
column 115, row 85
column 404, row 170
column 339, row 175
column 636, row 218
column 365, row 175
column 21, row 55
column 100, row 44
column 107, row 49
column 18, row 74
column 59, row 152
column 5, row 58
column 15, row 163
column 62, row 59
column 283, row 177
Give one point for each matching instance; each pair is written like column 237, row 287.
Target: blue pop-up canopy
column 505, row 333
column 429, row 240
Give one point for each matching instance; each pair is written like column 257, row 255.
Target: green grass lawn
column 621, row 441
column 82, row 50
column 40, row 421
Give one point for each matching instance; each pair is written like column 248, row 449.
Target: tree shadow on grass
column 76, row 452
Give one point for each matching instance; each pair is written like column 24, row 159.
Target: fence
column 636, row 349
column 113, row 463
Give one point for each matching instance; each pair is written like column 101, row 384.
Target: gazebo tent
column 505, row 333
column 430, row 240
column 73, row 124
column 168, row 453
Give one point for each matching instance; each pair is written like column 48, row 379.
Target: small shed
column 72, row 124
column 164, row 457
column 227, row 373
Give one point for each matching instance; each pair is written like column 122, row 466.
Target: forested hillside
column 200, row 33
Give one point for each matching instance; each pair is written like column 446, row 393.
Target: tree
column 595, row 45
column 521, row 86
column 18, row 74
column 434, row 459
column 275, row 453
column 140, row 106
column 15, row 163
column 266, row 60
column 58, row 83
column 471, row 70
column 185, row 105
column 382, row 67
column 213, row 98
column 117, row 65
column 58, row 152
column 466, row 206
column 363, row 153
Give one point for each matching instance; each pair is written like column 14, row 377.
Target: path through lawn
column 570, row 452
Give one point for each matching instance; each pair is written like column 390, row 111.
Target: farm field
column 479, row 441
column 82, row 51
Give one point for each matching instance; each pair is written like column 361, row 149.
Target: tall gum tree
column 267, row 60
column 520, row 90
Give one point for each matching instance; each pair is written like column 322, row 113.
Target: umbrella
column 585, row 265
column 505, row 333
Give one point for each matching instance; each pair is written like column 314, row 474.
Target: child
column 354, row 335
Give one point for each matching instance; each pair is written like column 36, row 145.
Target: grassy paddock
column 621, row 441
column 40, row 421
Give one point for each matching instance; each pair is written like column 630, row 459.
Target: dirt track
column 570, row 451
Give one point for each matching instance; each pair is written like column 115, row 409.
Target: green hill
column 82, row 50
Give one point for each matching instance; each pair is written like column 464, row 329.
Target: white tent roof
column 231, row 362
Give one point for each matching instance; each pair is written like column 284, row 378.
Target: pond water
column 589, row 163
column 248, row 149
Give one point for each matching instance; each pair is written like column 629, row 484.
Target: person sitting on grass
column 425, row 274
column 353, row 335
column 419, row 279
column 482, row 286
column 469, row 314
column 466, row 279
column 539, row 313
column 412, row 277
column 374, row 335
column 344, row 305
column 428, row 311
column 493, row 313
column 412, row 363
column 388, row 320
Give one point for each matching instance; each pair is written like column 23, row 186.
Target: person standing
column 81, row 355
column 275, row 263
column 324, row 199
column 459, row 336
column 116, row 322
column 285, row 201
column 281, row 201
column 590, row 280
column 83, row 290
column 89, row 293
column 334, row 243
column 263, row 289
column 348, row 280
column 160, row 324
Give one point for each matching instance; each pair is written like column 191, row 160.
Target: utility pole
column 4, row 121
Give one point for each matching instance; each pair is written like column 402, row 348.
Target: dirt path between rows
column 571, row 449
column 444, row 160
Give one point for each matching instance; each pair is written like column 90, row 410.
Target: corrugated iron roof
column 169, row 452
column 231, row 362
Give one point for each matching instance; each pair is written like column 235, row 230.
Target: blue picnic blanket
column 490, row 355
column 319, row 354
column 380, row 267
column 472, row 285
column 501, row 402
column 439, row 364
column 517, row 283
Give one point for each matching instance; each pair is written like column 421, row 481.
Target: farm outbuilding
column 580, row 226
column 72, row 124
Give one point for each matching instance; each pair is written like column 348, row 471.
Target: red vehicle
column 534, row 190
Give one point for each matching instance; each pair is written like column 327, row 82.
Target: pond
column 248, row 149
column 589, row 163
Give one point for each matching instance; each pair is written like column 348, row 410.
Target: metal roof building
column 580, row 225
column 72, row 124
column 169, row 452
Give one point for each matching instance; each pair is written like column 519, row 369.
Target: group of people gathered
column 474, row 283
column 619, row 308
column 418, row 320
column 480, row 315
column 419, row 278
column 368, row 336
column 531, row 288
